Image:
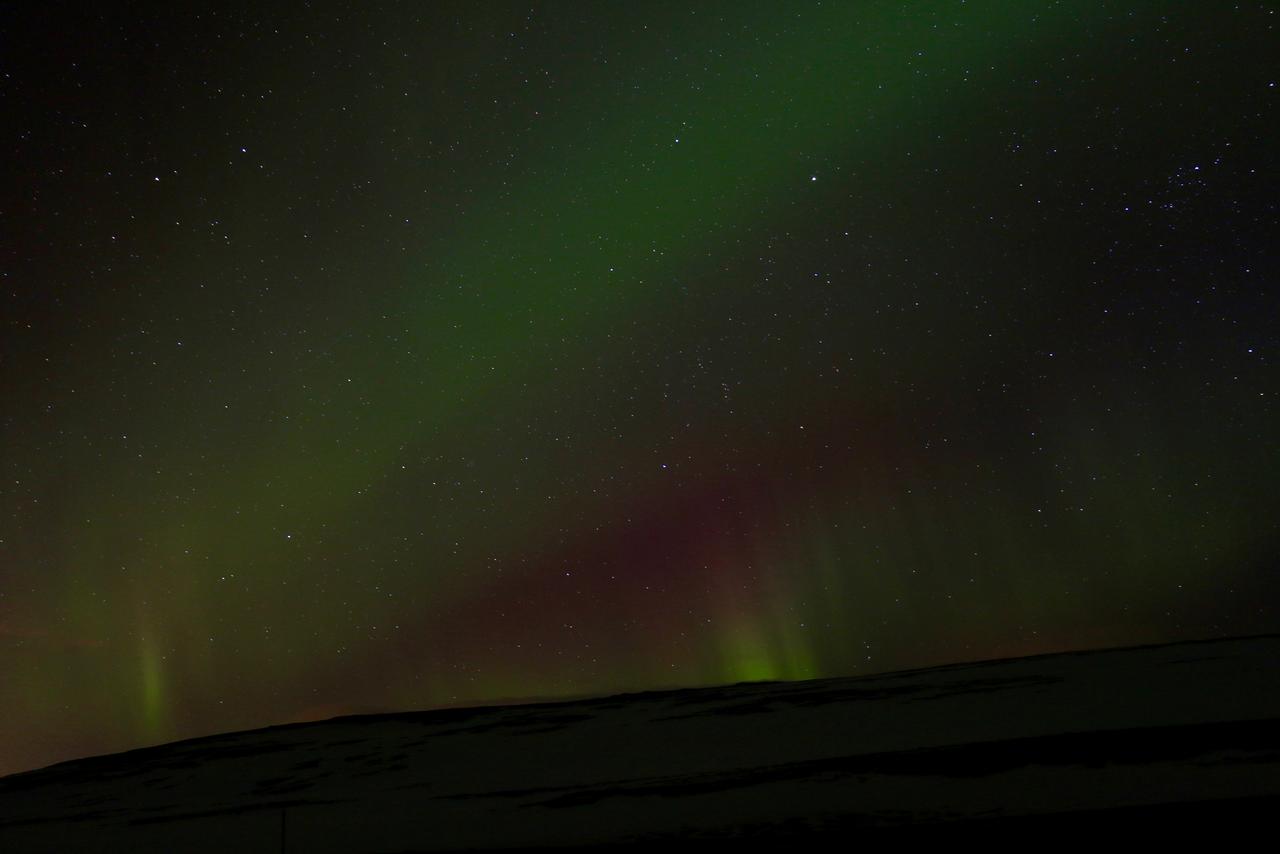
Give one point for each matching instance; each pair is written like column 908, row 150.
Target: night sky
column 364, row 357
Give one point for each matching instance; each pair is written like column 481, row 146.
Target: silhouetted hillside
column 1172, row 737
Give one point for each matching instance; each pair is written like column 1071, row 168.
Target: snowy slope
column 1177, row 733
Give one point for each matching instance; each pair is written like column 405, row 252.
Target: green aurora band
column 491, row 387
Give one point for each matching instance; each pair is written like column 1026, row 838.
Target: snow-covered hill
column 1177, row 734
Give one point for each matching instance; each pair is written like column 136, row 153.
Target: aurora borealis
column 393, row 356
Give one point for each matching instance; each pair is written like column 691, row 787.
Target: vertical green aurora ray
column 152, row 693
column 152, row 696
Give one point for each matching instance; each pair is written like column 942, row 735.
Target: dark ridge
column 1089, row 749
column 684, row 696
column 1225, row 818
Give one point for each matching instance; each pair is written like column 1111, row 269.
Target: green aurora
column 382, row 359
